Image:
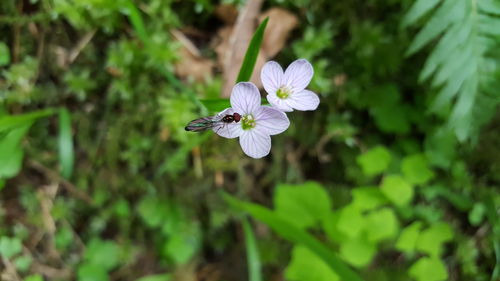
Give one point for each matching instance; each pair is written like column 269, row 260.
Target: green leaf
column 431, row 240
column 9, row 122
column 408, row 239
column 351, row 221
column 381, row 225
column 303, row 205
column 419, row 9
column 307, row 266
column 397, row 189
column 391, row 118
column 428, row 269
column 358, row 252
column 158, row 277
column 476, row 215
column 153, row 211
column 374, row 161
column 184, row 242
column 66, row 153
column 367, row 198
column 34, row 277
column 416, row 169
column 252, row 53
column 23, row 263
column 10, row 247
column 92, row 272
column 440, row 148
column 4, row 54
column 105, row 254
column 135, row 18
column 295, row 235
column 253, row 257
column 330, row 225
column 11, row 151
column 449, row 12
column 215, row 105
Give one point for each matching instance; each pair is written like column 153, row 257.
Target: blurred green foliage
column 394, row 177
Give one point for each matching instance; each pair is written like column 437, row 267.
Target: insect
column 205, row 123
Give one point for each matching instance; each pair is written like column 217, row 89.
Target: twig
column 53, row 176
column 84, row 41
column 10, row 271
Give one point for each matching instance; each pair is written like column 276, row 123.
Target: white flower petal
column 303, row 100
column 229, row 131
column 271, row 120
column 245, row 98
column 278, row 103
column 298, row 75
column 255, row 143
column 271, row 76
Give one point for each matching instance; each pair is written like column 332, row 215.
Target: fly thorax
column 283, row 92
column 247, row 122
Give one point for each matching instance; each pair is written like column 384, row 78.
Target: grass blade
column 252, row 53
column 253, row 258
column 66, row 153
column 295, row 235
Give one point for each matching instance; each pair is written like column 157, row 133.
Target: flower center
column 247, row 122
column 283, row 92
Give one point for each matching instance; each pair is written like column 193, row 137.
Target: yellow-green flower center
column 247, row 122
column 283, row 92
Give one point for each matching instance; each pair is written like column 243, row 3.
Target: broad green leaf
column 253, row 257
column 408, row 238
column 307, row 266
column 251, row 54
column 397, row 189
column 304, row 205
column 358, row 252
column 428, row 269
column 153, row 211
column 351, row 221
column 12, row 152
column 374, row 161
column 105, row 254
column 4, row 54
column 92, row 272
column 330, row 225
column 66, row 153
column 430, row 241
column 34, row 277
column 392, row 118
column 419, row 9
column 476, row 215
column 10, row 247
column 183, row 243
column 381, row 225
column 367, row 198
column 158, row 277
column 416, row 169
column 296, row 235
column 23, row 263
column 215, row 105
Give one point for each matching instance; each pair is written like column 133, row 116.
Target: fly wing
column 202, row 124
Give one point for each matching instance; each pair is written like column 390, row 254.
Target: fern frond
column 464, row 63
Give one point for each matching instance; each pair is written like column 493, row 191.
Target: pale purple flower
column 287, row 91
column 258, row 123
